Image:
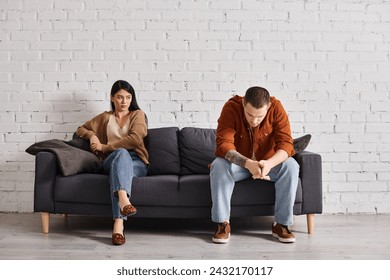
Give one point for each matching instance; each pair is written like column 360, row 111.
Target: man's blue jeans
column 122, row 165
column 224, row 174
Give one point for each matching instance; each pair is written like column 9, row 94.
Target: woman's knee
column 121, row 151
column 121, row 157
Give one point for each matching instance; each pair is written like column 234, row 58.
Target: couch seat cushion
column 161, row 190
column 158, row 190
column 83, row 188
column 194, row 190
column 253, row 192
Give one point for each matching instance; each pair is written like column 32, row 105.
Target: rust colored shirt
column 262, row 142
column 134, row 140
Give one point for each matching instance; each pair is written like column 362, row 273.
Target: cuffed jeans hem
column 220, row 221
column 120, row 217
column 284, row 223
column 115, row 192
column 219, row 216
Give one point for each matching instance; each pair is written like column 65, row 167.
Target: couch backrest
column 186, row 151
column 162, row 145
column 197, row 147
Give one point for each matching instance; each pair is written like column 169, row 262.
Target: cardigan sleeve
column 94, row 126
column 86, row 131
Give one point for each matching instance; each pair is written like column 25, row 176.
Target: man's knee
column 291, row 166
column 219, row 165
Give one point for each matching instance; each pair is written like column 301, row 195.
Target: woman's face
column 122, row 100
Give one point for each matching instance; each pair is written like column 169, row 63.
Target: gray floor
column 336, row 237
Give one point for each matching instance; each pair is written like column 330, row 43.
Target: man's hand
column 253, row 167
column 95, row 144
column 265, row 169
column 256, row 170
column 267, row 165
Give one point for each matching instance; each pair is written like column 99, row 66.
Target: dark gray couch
column 177, row 185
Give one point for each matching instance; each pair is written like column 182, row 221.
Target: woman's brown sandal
column 128, row 210
column 118, row 239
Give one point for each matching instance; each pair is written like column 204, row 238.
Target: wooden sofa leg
column 310, row 223
column 45, row 222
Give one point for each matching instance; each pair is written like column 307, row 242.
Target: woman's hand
column 95, row 144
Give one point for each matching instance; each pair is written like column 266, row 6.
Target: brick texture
column 328, row 61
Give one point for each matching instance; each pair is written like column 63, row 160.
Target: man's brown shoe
column 222, row 233
column 282, row 233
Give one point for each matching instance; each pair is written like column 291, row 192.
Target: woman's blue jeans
column 122, row 165
column 224, row 174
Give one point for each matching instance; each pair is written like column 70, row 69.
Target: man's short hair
column 258, row 97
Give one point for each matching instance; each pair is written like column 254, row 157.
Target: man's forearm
column 252, row 165
column 235, row 157
column 278, row 158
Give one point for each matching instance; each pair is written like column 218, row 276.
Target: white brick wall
column 328, row 61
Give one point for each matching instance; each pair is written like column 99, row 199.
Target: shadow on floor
column 86, row 226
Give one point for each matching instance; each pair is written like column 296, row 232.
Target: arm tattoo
column 235, row 157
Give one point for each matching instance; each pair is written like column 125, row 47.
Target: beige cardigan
column 133, row 141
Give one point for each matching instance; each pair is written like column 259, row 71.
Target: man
column 254, row 140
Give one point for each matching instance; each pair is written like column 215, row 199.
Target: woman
column 117, row 137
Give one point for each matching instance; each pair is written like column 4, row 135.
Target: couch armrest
column 311, row 178
column 45, row 173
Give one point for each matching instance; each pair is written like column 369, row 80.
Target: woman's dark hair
column 258, row 97
column 120, row 84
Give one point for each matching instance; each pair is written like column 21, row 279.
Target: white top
column 114, row 132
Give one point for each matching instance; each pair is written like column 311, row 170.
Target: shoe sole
column 283, row 240
column 129, row 214
column 221, row 240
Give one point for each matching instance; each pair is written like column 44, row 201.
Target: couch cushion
column 83, row 188
column 158, row 190
column 162, row 190
column 163, row 151
column 197, row 147
column 194, row 190
column 254, row 192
